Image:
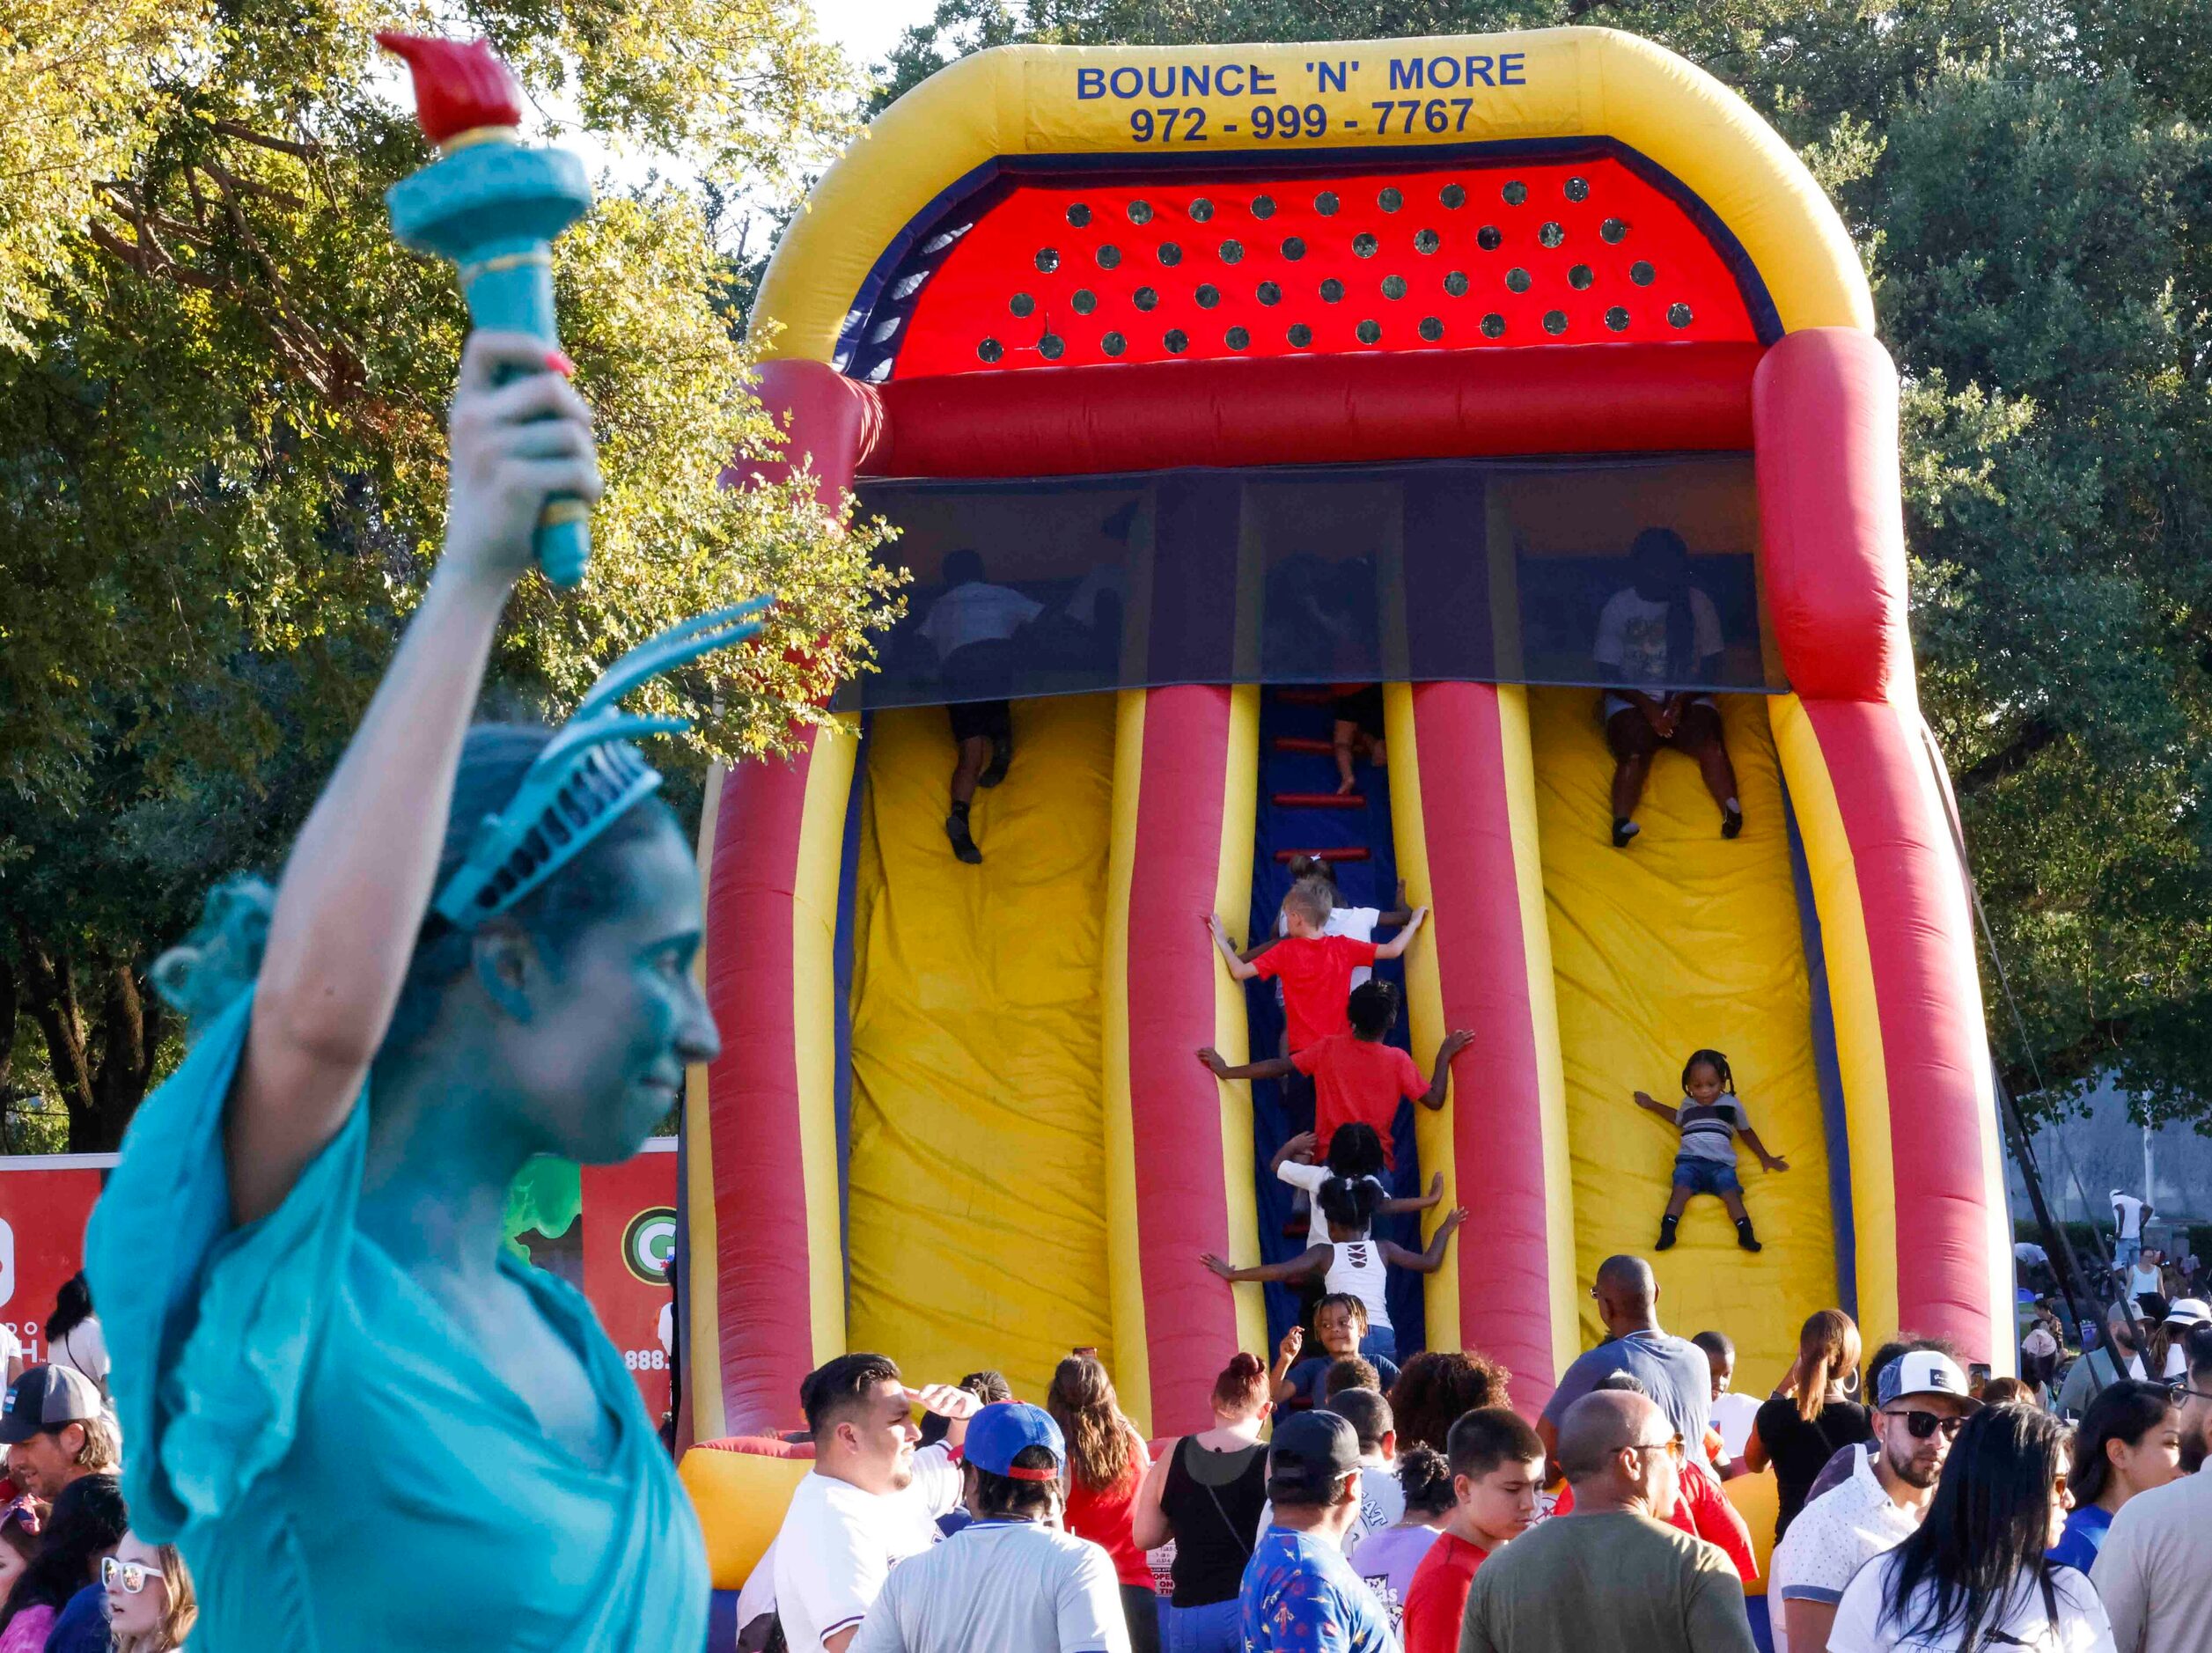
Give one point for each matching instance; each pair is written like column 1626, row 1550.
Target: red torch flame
column 458, row 85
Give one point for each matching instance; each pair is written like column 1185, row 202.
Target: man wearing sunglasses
column 2155, row 1571
column 1921, row 1401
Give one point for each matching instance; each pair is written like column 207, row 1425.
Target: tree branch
column 2009, row 758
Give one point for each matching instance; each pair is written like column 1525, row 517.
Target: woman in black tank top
column 1206, row 1493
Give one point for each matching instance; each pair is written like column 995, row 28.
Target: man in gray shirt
column 1672, row 1370
column 2155, row 1573
column 1010, row 1581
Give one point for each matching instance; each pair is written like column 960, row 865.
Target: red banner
column 45, row 1201
column 629, row 1234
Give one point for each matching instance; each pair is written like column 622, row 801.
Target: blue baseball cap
column 1002, row 1429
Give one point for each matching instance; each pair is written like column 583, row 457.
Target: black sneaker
column 1623, row 830
column 963, row 841
column 1668, row 1225
column 1002, row 761
column 1746, row 1238
column 1731, row 821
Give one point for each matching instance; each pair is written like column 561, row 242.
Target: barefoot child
column 1710, row 1120
column 1354, row 1264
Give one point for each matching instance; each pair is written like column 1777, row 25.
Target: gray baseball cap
column 46, row 1398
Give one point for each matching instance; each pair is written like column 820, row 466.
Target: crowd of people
column 1922, row 1508
column 74, row 1578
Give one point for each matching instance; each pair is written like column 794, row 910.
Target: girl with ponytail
column 1813, row 1415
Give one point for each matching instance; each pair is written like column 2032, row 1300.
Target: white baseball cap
column 1924, row 1372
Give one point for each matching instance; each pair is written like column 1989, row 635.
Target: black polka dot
column 1208, row 294
column 1370, row 332
column 1555, row 321
column 1514, row 192
column 1332, row 290
column 1612, row 230
column 1326, row 204
column 1642, row 273
column 1456, row 282
column 1021, row 303
column 1078, row 214
column 1293, row 248
column 1551, row 235
column 1426, row 241
column 1171, row 255
column 1236, row 338
column 1113, row 344
column 1048, row 259
column 1108, row 257
column 1086, row 301
column 1394, row 286
column 1489, row 237
column 1517, row 280
column 1232, row 251
column 1452, row 196
column 1051, row 347
column 990, row 350
column 1263, row 205
column 1678, row 315
column 1432, row 329
column 1201, row 211
column 1494, row 326
column 1580, row 277
column 1177, row 341
column 1364, row 246
column 1140, row 212
column 1390, row 200
column 1146, row 298
column 1617, row 319
column 1300, row 335
column 1269, row 293
column 1578, row 189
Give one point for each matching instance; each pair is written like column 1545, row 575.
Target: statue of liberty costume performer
column 363, row 1423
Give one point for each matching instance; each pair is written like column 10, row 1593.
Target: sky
column 866, row 28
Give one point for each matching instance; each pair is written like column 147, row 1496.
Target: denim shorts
column 1706, row 1176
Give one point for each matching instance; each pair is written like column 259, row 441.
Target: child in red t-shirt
column 1357, row 1079
column 1497, row 1470
column 1315, row 969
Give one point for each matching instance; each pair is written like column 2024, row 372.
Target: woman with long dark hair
column 1205, row 1495
column 84, row 1527
column 1813, row 1415
column 2129, row 1441
column 1436, row 1388
column 1107, row 1464
column 1974, row 1576
column 74, row 1336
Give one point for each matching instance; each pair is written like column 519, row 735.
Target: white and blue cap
column 1923, row 1371
column 1003, row 1430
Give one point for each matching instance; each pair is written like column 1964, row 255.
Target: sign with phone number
column 1340, row 100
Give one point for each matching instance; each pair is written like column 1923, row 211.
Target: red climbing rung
column 1307, row 696
column 1288, row 855
column 1320, row 800
column 1303, row 743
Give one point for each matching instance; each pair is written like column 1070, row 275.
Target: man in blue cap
column 1010, row 1581
column 1300, row 1595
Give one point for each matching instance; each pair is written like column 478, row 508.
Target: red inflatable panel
column 1497, row 1124
column 1344, row 410
column 1190, row 1319
column 832, row 423
column 1826, row 406
column 1462, row 255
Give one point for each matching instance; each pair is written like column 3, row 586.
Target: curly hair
column 1435, row 1388
column 1100, row 1441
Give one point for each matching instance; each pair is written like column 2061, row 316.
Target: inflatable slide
column 1261, row 373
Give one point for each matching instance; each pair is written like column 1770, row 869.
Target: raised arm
column 1396, row 944
column 1299, row 1148
column 1273, row 1068
column 1314, row 1260
column 1238, row 967
column 1258, row 947
column 1643, row 1100
column 1427, row 1202
column 358, row 880
column 1286, row 1356
column 1401, row 913
column 1440, row 1077
column 1427, row 1262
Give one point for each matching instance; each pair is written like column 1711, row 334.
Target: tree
column 2031, row 186
column 222, row 388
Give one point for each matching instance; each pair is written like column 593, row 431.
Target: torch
column 492, row 206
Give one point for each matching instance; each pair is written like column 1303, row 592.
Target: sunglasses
column 1921, row 1425
column 1671, row 1445
column 130, row 1577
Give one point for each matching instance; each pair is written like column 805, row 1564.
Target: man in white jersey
column 871, row 1501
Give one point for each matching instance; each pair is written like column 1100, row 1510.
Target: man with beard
column 871, row 1500
column 2154, row 1572
column 1921, row 1401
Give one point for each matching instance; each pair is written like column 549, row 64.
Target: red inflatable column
column 1886, row 874
column 766, row 1303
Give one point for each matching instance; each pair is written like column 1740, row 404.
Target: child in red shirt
column 1315, row 969
column 1497, row 1470
column 1357, row 1079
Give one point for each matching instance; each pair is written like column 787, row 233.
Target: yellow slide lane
column 1680, row 941
column 977, row 1223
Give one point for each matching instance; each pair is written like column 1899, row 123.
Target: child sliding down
column 1711, row 1119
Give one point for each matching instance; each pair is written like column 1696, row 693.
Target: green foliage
column 221, row 452
column 2030, row 184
